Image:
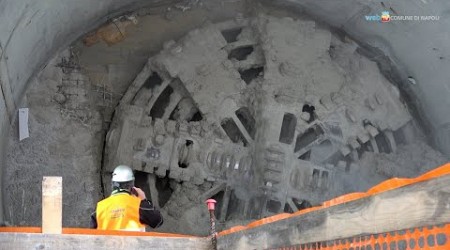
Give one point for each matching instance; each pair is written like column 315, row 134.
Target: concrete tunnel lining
column 30, row 38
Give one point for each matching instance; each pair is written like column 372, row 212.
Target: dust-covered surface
column 68, row 120
column 185, row 213
column 66, row 133
column 274, row 114
column 265, row 113
column 409, row 161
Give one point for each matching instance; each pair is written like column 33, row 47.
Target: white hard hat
column 122, row 173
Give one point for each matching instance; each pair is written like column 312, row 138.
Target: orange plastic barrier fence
column 436, row 238
column 380, row 188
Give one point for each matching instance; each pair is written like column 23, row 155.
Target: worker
column 127, row 208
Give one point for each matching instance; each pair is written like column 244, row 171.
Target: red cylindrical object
column 211, row 206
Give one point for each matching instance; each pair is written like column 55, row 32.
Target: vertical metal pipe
column 212, row 218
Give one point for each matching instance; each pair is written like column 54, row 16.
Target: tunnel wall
column 31, row 32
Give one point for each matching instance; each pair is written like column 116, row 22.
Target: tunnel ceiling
column 226, row 96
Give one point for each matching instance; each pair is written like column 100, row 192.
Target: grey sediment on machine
column 264, row 116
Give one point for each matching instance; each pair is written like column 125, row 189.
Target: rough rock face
column 264, row 114
column 65, row 140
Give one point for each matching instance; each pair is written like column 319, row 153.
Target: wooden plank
column 100, row 242
column 153, row 192
column 52, row 205
column 175, row 98
column 291, row 204
column 421, row 204
column 225, row 203
column 157, row 92
column 213, row 191
column 241, row 127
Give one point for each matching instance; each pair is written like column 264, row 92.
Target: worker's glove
column 139, row 193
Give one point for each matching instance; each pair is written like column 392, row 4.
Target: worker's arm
column 93, row 223
column 148, row 215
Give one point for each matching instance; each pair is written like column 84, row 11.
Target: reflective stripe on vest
column 119, row 212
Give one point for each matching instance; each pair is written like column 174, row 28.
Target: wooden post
column 225, row 202
column 153, row 192
column 52, row 205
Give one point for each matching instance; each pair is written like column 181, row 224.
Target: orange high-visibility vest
column 119, row 212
